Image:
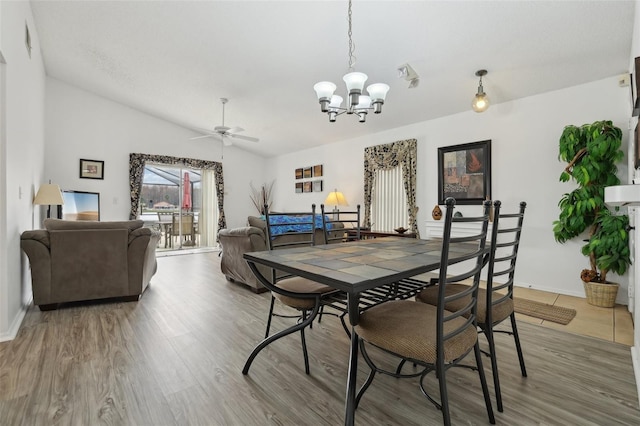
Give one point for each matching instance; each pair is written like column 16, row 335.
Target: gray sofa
column 235, row 242
column 87, row 260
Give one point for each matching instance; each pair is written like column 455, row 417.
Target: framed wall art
column 317, row 186
column 464, row 172
column 299, row 173
column 307, row 187
column 91, row 169
column 298, row 187
column 307, row 172
column 317, row 170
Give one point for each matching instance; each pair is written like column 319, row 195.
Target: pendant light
column 481, row 100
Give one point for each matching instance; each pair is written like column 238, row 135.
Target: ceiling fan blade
column 235, row 130
column 246, row 138
column 201, row 137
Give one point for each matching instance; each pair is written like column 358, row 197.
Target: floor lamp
column 50, row 195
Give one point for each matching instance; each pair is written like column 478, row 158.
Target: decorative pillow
column 64, row 225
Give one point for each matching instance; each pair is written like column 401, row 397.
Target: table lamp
column 337, row 199
column 49, row 194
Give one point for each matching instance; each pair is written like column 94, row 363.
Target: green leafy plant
column 592, row 152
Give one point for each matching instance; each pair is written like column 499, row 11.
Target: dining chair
column 182, row 225
column 165, row 219
column 498, row 296
column 430, row 336
column 350, row 229
column 299, row 293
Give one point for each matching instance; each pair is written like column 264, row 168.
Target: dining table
column 359, row 268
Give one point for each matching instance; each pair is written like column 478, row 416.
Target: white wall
column 80, row 124
column 525, row 167
column 22, row 140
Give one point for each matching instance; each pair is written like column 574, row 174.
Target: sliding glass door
column 173, row 201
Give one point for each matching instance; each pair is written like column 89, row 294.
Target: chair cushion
column 300, row 285
column 408, row 329
column 500, row 312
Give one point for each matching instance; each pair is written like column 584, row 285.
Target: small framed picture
column 307, row 187
column 317, row 186
column 299, row 187
column 299, row 173
column 317, row 170
column 91, row 169
column 307, row 172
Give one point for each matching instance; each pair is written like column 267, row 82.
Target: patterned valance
column 389, row 156
column 136, row 174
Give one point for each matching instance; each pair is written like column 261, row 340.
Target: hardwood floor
column 175, row 358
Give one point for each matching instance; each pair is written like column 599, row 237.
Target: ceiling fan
column 225, row 133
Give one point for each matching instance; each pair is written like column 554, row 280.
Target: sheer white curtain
column 208, row 220
column 388, row 200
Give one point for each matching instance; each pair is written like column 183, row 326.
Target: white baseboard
column 635, row 359
column 15, row 325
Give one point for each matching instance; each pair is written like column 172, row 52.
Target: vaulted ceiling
column 175, row 60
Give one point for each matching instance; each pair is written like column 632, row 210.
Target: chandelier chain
column 352, row 58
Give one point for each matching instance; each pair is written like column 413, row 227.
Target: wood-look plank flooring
column 175, row 358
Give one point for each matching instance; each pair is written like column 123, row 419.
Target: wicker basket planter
column 602, row 295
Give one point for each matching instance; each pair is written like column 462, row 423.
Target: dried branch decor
column 261, row 196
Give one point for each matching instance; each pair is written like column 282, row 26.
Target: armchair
column 86, row 260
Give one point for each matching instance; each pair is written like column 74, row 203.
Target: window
column 389, row 201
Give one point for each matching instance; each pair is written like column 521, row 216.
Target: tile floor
column 612, row 324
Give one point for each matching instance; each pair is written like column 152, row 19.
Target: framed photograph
column 91, row 169
column 464, row 172
column 306, row 172
column 317, row 170
column 299, row 173
column 317, row 185
column 299, row 187
column 307, row 187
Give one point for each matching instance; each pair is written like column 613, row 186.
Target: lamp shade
column 49, row 194
column 324, row 89
column 378, row 91
column 336, row 198
column 355, row 81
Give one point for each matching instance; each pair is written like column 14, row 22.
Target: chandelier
column 357, row 103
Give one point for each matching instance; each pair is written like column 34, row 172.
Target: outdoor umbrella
column 186, row 192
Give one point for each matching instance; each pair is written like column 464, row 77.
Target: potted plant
column 592, row 152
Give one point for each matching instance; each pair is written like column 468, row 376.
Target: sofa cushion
column 59, row 224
